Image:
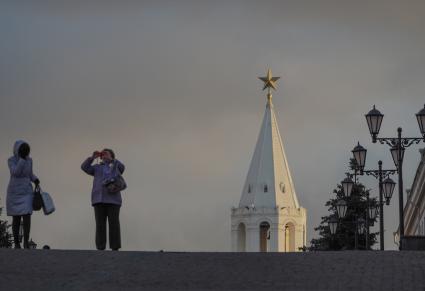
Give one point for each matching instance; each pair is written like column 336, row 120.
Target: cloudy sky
column 172, row 87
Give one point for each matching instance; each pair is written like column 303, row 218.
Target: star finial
column 269, row 81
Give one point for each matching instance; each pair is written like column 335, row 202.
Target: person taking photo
column 106, row 196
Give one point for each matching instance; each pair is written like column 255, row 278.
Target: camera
column 108, row 182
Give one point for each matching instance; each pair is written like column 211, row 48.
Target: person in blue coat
column 20, row 191
column 106, row 204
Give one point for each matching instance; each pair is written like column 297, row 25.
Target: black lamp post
column 359, row 222
column 359, row 154
column 398, row 145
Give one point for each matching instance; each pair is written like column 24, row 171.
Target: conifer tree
column 344, row 238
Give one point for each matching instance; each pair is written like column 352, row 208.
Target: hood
column 18, row 143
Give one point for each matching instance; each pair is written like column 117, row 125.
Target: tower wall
column 278, row 219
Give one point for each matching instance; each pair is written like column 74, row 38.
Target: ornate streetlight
column 347, row 185
column 388, row 188
column 361, row 226
column 341, row 210
column 373, row 212
column 333, row 224
column 398, row 145
column 421, row 121
column 359, row 154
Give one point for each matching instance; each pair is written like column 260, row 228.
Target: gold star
column 269, row 80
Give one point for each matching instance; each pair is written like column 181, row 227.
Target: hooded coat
column 20, row 192
column 100, row 172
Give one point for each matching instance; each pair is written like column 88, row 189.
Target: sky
column 172, row 87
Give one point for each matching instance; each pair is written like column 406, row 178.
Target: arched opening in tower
column 241, row 238
column 289, row 237
column 264, row 236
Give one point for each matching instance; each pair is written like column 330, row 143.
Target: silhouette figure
column 20, row 192
column 106, row 204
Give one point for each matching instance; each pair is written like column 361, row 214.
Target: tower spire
column 269, row 216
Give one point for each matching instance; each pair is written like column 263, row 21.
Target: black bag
column 116, row 183
column 37, row 202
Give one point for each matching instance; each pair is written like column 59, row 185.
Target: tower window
column 266, row 189
column 282, row 187
column 249, row 188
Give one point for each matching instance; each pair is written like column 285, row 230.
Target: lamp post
column 359, row 222
column 348, row 186
column 397, row 147
column 359, row 154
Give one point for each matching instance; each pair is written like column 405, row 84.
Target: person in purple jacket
column 20, row 192
column 106, row 204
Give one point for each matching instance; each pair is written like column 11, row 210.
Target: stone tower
column 269, row 217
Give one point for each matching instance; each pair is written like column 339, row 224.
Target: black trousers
column 110, row 212
column 16, row 225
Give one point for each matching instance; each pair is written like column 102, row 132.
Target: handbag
column 116, row 183
column 37, row 202
column 48, row 205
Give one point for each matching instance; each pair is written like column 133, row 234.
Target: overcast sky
column 172, row 87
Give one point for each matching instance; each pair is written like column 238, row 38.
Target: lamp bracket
column 405, row 141
column 375, row 173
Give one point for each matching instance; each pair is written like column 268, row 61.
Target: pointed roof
column 269, row 182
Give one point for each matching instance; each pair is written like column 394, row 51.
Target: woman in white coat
column 20, row 191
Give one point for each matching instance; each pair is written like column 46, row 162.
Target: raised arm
column 87, row 166
column 33, row 177
column 16, row 167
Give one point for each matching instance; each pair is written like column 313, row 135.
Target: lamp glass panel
column 396, row 153
column 347, row 186
column 388, row 188
column 421, row 120
column 361, row 226
column 341, row 208
column 333, row 224
column 359, row 154
column 372, row 212
column 374, row 122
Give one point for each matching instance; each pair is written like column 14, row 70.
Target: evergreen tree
column 5, row 235
column 344, row 238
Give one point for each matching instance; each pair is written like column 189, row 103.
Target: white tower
column 269, row 217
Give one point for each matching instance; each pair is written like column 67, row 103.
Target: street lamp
column 347, row 186
column 397, row 153
column 341, row 208
column 361, row 226
column 359, row 154
column 373, row 212
column 333, row 224
column 398, row 145
column 388, row 189
column 421, row 120
column 374, row 121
